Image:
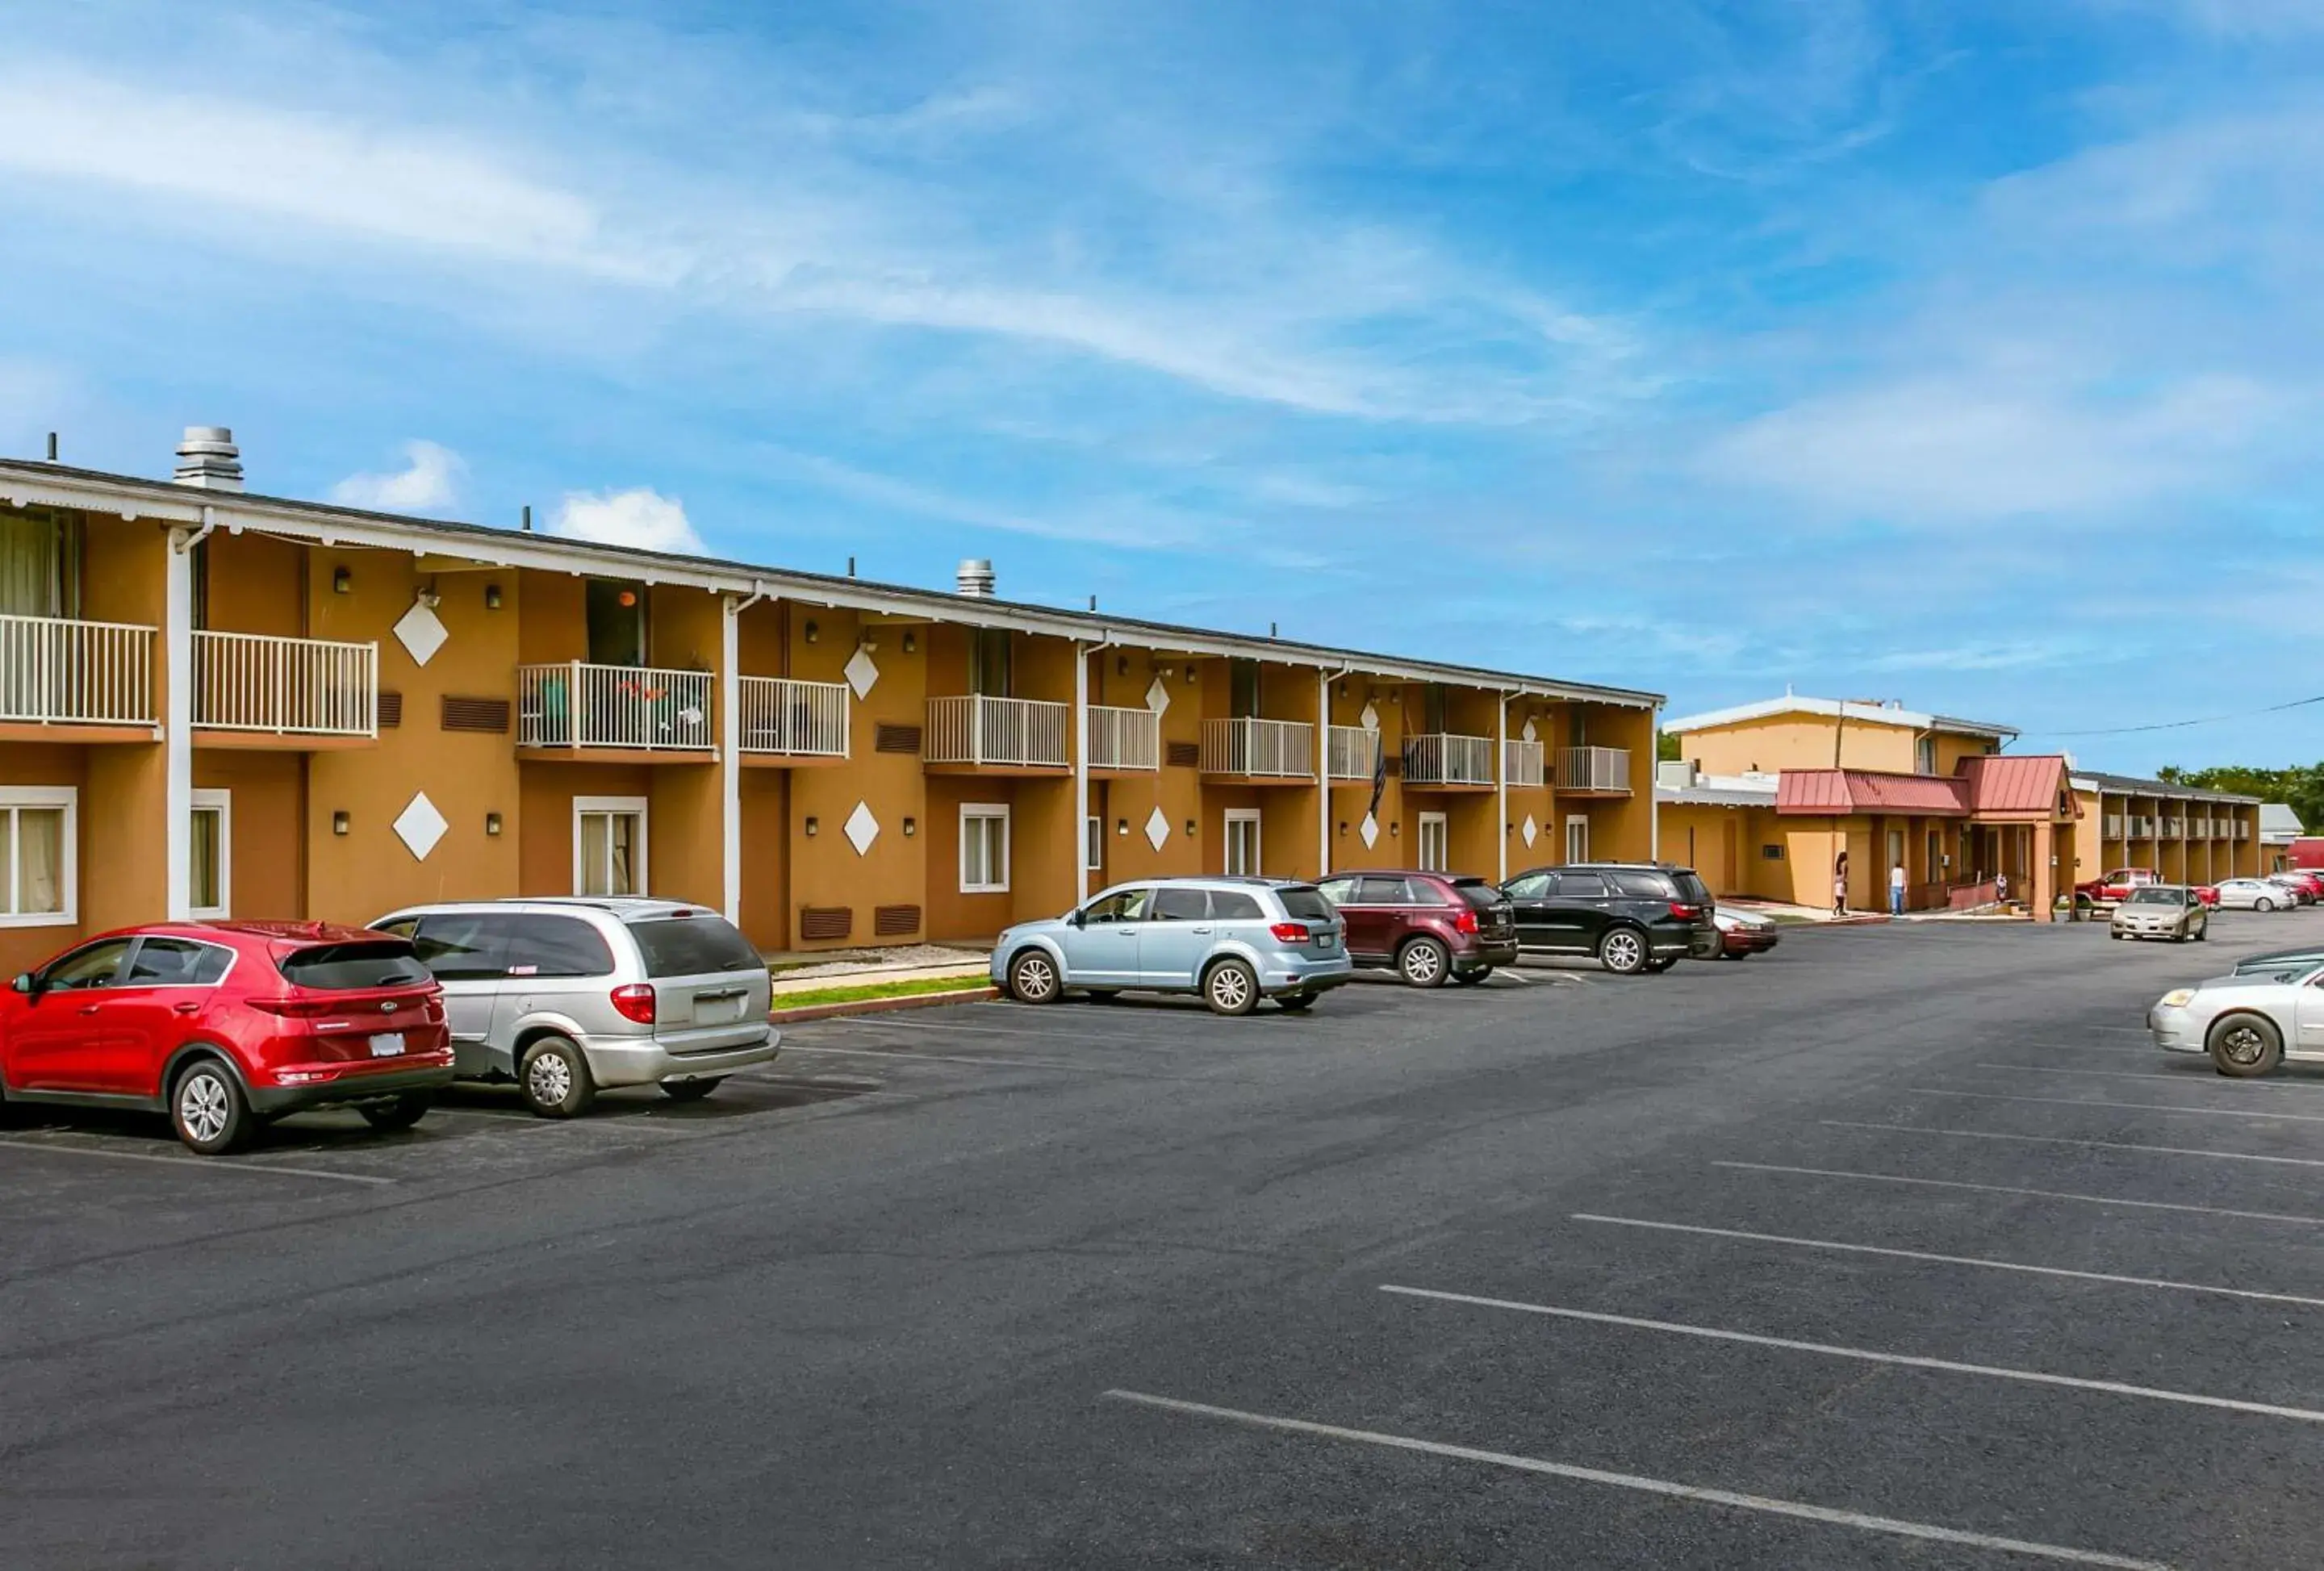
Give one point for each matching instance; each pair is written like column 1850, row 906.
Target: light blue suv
column 1232, row 940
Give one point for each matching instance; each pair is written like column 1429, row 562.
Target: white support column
column 1081, row 773
column 1501, row 789
column 730, row 754
column 1654, row 790
column 178, row 724
column 1323, row 774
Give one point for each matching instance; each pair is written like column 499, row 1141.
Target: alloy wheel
column 1230, row 988
column 2241, row 1046
column 1421, row 964
column 1036, row 978
column 202, row 1106
column 1623, row 952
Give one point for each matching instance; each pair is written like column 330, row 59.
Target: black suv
column 1629, row 916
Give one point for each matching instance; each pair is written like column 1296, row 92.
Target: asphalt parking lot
column 1896, row 1247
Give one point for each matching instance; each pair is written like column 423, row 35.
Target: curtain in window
column 623, row 830
column 40, row 860
column 594, row 858
column 210, row 824
column 32, row 582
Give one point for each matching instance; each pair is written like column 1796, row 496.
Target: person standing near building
column 1896, row 890
column 1840, row 886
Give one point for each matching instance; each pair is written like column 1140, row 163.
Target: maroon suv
column 1425, row 926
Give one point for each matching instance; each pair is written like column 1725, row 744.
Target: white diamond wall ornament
column 860, row 830
column 1532, row 829
column 860, row 672
column 420, row 632
column 420, row 825
column 1370, row 718
column 1157, row 829
column 1530, row 734
column 1370, row 830
column 1158, row 696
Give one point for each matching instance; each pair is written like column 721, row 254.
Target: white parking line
column 2124, row 1107
column 2105, row 1145
column 1982, row 1264
column 2029, row 1194
column 2189, row 1075
column 206, row 1163
column 1765, row 1505
column 1867, row 1356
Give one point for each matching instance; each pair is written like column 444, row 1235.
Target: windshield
column 2158, row 894
column 692, row 945
column 344, row 968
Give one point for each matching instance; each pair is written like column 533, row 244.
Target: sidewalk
column 817, row 984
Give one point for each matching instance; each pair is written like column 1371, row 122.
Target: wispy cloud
column 640, row 518
column 428, row 483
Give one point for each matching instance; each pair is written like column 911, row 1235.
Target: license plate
column 718, row 1011
column 1324, row 940
column 387, row 1044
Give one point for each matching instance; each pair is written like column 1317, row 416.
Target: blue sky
column 1960, row 353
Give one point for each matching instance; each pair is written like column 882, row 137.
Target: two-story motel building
column 213, row 702
column 1766, row 798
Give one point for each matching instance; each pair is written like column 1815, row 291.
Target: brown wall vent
column 1182, row 754
column 895, row 921
column 888, row 739
column 818, row 922
column 475, row 714
column 391, row 708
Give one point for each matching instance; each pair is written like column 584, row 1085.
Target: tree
column 1667, row 747
column 2301, row 787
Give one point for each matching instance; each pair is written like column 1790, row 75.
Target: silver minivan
column 569, row 997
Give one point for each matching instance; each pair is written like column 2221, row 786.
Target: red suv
column 1425, row 926
column 224, row 1025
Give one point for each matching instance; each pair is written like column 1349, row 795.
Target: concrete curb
column 881, row 1005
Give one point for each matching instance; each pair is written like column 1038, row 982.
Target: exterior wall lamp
column 342, row 580
column 492, row 824
column 340, row 823
column 492, row 596
column 812, row 632
column 811, row 827
column 911, row 827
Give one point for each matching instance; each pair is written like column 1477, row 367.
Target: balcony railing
column 1442, row 757
column 1522, row 763
column 2141, row 828
column 1006, row 733
column 1124, row 738
column 2113, row 830
column 1277, row 749
column 2172, row 828
column 793, row 719
column 1351, row 752
column 289, row 687
column 54, row 671
column 1593, row 769
column 634, row 707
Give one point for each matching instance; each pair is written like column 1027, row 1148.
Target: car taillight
column 1290, row 932
column 295, row 1008
column 634, row 1001
column 1466, row 922
column 1683, row 912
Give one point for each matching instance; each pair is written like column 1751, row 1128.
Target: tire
column 1470, row 978
column 1297, row 1002
column 1623, row 951
column 2263, row 904
column 400, row 1114
column 2244, row 1046
column 1230, row 988
column 2203, row 931
column 2112, row 934
column 1033, row 978
column 555, row 1078
column 1422, row 963
column 208, row 1110
column 692, row 1090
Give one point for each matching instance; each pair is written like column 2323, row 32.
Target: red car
column 1425, row 927
column 225, row 1025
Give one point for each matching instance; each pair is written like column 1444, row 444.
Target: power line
column 2182, row 724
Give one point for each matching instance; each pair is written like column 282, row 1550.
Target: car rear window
column 1302, row 902
column 1692, row 887
column 1479, row 893
column 691, row 946
column 345, row 967
column 1229, row 905
column 544, row 945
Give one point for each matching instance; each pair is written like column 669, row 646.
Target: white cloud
column 642, row 518
column 429, row 482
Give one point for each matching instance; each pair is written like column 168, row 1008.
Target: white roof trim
column 1834, row 709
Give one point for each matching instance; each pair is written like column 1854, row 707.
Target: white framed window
column 1093, row 848
column 609, row 846
column 39, row 856
column 1433, row 858
column 983, row 848
column 1241, row 841
column 209, row 854
column 1577, row 837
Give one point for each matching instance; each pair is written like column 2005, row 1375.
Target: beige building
column 213, row 702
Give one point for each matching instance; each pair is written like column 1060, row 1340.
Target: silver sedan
column 2161, row 911
column 2248, row 1022
column 2256, row 894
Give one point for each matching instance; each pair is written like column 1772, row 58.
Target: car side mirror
column 1076, row 918
column 26, row 983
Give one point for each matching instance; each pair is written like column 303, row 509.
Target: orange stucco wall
column 265, row 811
column 898, row 869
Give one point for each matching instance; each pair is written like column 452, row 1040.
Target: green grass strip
column 861, row 991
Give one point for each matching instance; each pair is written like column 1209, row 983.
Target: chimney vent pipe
column 209, row 459
column 975, row 578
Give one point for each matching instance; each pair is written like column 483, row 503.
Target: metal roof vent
column 209, row 458
column 975, row 578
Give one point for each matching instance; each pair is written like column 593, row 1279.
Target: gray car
column 2248, row 1022
column 569, row 997
column 2161, row 911
column 1231, row 940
